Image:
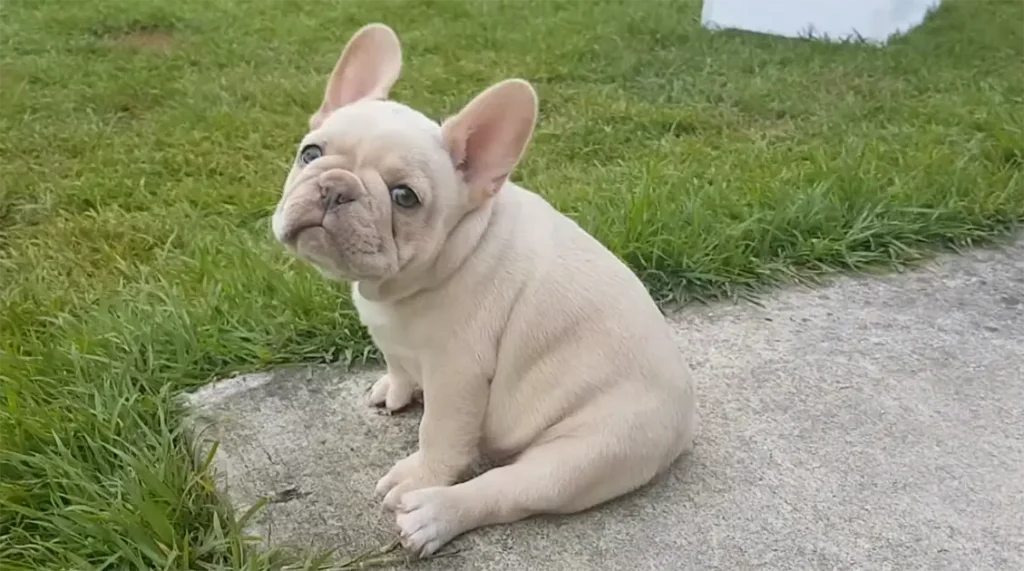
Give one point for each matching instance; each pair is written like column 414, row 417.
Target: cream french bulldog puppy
column 532, row 344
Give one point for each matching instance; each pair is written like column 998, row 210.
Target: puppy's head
column 376, row 187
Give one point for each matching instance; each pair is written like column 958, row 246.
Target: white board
column 874, row 21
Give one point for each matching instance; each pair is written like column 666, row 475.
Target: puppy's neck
column 459, row 247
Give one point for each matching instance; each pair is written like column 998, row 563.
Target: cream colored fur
column 532, row 344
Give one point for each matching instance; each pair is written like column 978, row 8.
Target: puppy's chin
column 316, row 246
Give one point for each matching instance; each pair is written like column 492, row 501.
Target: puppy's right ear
column 368, row 68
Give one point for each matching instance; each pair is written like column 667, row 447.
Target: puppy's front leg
column 454, row 403
column 394, row 391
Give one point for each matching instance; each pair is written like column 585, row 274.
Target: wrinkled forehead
column 378, row 127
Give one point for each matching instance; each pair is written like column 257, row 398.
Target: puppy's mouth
column 288, row 224
column 290, row 237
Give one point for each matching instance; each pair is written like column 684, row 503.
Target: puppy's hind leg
column 561, row 476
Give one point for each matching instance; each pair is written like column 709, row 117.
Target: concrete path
column 870, row 424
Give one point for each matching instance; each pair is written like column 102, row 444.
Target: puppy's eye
column 310, row 153
column 404, row 196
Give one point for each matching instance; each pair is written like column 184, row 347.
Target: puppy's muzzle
column 311, row 201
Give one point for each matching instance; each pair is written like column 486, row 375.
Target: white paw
column 391, row 393
column 406, row 475
column 428, row 519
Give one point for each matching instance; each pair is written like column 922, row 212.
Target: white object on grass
column 873, row 21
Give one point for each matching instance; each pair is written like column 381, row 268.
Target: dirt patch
column 140, row 36
column 152, row 41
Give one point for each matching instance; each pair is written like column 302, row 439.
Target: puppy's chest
column 393, row 330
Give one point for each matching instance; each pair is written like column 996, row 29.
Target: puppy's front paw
column 407, row 475
column 428, row 519
column 391, row 393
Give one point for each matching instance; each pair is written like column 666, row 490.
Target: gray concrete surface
column 868, row 424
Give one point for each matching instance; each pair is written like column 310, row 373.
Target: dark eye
column 404, row 196
column 310, row 153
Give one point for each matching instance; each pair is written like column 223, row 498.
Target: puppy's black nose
column 335, row 193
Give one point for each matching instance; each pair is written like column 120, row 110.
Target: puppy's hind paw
column 391, row 394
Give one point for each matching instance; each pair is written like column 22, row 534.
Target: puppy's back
column 583, row 341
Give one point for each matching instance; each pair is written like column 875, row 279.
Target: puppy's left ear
column 367, row 69
column 489, row 136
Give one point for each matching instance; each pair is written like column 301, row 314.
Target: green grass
column 144, row 144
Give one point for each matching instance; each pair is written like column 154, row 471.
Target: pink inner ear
column 357, row 84
column 368, row 67
column 485, row 142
